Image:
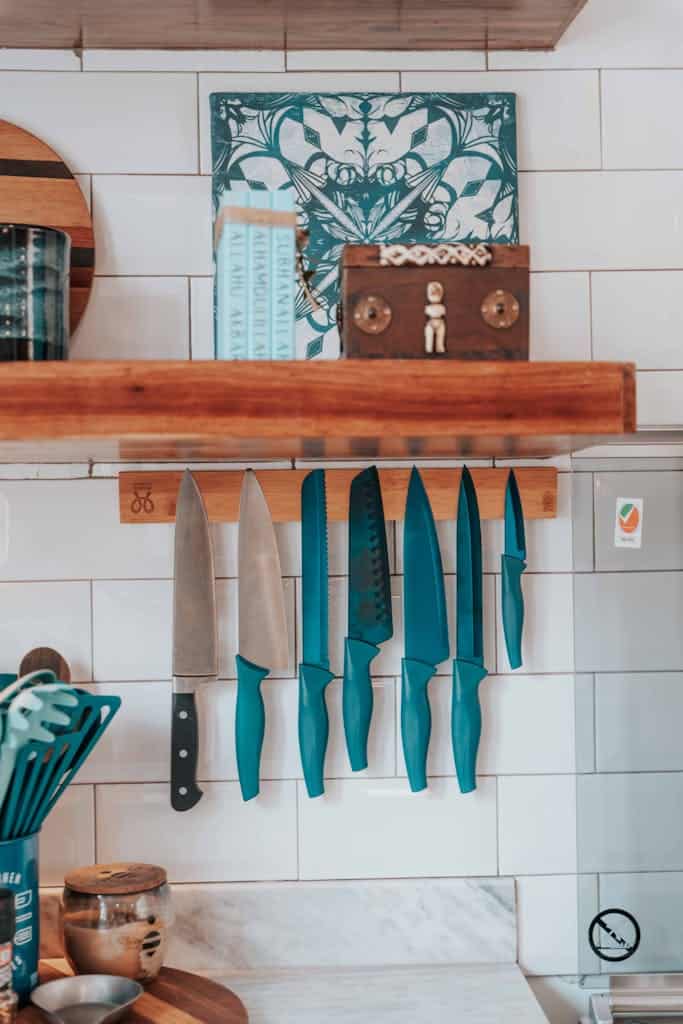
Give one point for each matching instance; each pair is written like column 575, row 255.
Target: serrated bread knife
column 369, row 616
column 195, row 657
column 263, row 641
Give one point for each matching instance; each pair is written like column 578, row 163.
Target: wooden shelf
column 247, row 412
column 302, row 24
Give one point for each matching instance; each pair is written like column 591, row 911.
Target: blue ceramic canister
column 34, row 292
column 19, row 872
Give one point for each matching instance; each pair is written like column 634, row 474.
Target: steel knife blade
column 263, row 640
column 370, row 620
column 425, row 626
column 314, row 671
column 195, row 648
column 513, row 564
column 468, row 666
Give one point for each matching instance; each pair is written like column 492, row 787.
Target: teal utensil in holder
column 34, row 292
column 19, row 872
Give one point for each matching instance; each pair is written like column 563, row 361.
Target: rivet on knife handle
column 314, row 725
column 250, row 723
column 357, row 699
column 185, row 792
column 416, row 720
column 466, row 721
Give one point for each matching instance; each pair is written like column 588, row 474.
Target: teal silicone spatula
column 425, row 628
column 513, row 564
column 314, row 671
column 263, row 642
column 468, row 667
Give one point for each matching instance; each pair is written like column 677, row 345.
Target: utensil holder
column 34, row 292
column 19, row 872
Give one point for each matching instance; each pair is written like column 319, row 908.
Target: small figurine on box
column 435, row 328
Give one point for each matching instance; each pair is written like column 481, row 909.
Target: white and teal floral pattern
column 368, row 168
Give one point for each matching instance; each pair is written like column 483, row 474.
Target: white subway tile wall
column 601, row 190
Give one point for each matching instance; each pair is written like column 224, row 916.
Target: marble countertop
column 444, row 994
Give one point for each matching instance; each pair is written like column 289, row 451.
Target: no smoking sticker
column 628, row 523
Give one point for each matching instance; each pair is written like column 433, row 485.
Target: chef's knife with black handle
column 513, row 564
column 314, row 671
column 370, row 618
column 425, row 626
column 263, row 641
column 195, row 657
column 468, row 667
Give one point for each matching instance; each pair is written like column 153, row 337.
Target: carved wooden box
column 446, row 301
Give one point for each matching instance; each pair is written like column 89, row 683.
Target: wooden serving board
column 176, row 997
column 36, row 187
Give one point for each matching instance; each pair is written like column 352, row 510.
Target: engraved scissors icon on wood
column 142, row 500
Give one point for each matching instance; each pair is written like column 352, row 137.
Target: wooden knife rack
column 150, row 497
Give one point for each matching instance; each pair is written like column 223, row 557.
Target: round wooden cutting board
column 36, row 187
column 176, row 997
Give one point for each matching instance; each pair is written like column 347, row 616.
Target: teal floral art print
column 367, row 168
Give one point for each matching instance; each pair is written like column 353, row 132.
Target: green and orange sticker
column 628, row 526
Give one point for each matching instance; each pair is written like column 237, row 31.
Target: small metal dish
column 86, row 998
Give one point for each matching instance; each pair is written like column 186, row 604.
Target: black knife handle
column 185, row 792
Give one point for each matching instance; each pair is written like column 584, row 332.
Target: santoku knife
column 263, row 643
column 369, row 617
column 195, row 658
column 426, row 628
column 314, row 671
column 468, row 667
column 513, row 564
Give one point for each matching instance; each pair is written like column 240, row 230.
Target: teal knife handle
column 357, row 699
column 250, row 723
column 466, row 721
column 513, row 607
column 314, row 725
column 416, row 720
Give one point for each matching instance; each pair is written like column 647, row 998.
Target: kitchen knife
column 314, row 671
column 425, row 625
column 263, row 645
column 468, row 667
column 369, row 617
column 512, row 565
column 195, row 657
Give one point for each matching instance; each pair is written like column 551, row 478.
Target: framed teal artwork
column 366, row 168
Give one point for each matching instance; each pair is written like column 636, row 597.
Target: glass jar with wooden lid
column 116, row 919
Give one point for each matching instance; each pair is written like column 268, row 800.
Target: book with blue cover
column 259, row 260
column 283, row 281
column 232, row 281
column 255, row 275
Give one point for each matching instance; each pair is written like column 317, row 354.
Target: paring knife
column 369, row 618
column 512, row 565
column 263, row 645
column 426, row 628
column 195, row 657
column 314, row 671
column 468, row 667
